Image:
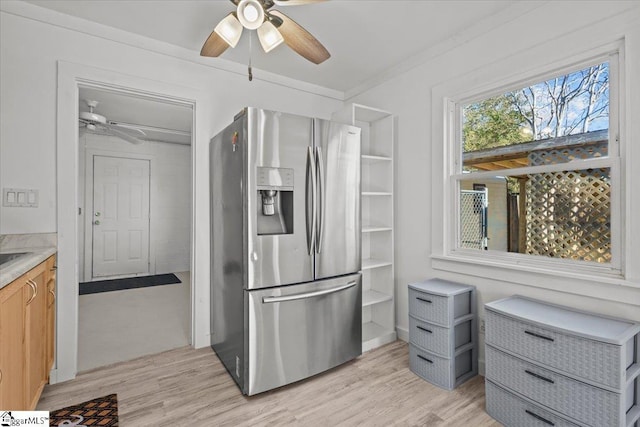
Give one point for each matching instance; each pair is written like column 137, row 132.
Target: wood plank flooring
column 187, row 387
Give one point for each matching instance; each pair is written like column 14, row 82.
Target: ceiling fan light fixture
column 229, row 29
column 250, row 14
column 269, row 36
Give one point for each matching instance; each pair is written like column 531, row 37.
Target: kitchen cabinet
column 27, row 309
column 378, row 279
column 12, row 349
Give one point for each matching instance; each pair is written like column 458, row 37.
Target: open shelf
column 374, row 297
column 375, row 335
column 369, row 263
column 377, row 188
column 374, row 228
column 376, row 193
column 375, row 158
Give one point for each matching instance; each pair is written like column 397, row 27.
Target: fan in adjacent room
column 273, row 28
column 97, row 123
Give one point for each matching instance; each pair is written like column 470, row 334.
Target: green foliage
column 493, row 122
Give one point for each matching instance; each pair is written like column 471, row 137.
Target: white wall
column 170, row 198
column 539, row 36
column 33, row 41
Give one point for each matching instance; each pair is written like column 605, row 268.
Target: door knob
column 96, row 222
column 97, row 213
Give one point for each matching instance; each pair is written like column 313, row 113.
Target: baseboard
column 53, row 376
column 403, row 334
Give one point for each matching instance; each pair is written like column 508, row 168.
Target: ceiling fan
column 273, row 28
column 96, row 122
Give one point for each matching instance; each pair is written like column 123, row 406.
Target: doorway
column 135, row 161
column 70, row 77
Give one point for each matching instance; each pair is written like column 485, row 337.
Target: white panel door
column 120, row 216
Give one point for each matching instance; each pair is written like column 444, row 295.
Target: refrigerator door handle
column 311, row 222
column 269, row 300
column 321, row 200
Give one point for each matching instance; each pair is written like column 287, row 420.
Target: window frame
column 454, row 175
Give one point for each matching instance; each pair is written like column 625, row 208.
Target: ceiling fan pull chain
column 250, row 72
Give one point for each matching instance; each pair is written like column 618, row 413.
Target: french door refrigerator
column 286, row 289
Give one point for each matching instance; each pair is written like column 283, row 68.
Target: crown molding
column 80, row 25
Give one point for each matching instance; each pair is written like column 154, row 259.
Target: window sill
column 609, row 286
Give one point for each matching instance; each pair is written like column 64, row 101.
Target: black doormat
column 128, row 283
column 102, row 411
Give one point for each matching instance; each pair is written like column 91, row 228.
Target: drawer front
column 513, row 411
column 432, row 308
column 587, row 404
column 583, row 358
column 430, row 337
column 435, row 369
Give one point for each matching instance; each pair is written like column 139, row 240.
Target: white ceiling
column 365, row 38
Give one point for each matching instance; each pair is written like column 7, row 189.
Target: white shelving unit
column 378, row 284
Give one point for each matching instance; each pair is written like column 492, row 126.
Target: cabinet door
column 51, row 313
column 36, row 334
column 12, row 349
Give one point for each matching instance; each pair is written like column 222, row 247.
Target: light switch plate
column 20, row 197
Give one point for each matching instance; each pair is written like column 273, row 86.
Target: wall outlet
column 482, row 326
column 19, row 198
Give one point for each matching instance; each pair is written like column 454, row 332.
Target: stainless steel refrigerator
column 286, row 289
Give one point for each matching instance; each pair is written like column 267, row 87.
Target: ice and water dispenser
column 275, row 200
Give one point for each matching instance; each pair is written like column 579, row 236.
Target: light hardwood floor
column 186, row 387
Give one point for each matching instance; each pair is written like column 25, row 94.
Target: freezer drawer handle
column 268, row 300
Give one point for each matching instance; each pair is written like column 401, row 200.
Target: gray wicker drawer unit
column 564, row 366
column 443, row 332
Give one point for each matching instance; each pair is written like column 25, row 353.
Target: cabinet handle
column 533, row 334
column 425, row 359
column 54, row 268
column 540, row 377
column 34, row 288
column 538, row 417
column 0, row 376
column 424, row 329
column 53, row 294
column 425, row 300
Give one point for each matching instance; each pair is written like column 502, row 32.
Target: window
column 536, row 171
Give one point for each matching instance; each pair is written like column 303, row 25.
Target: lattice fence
column 473, row 205
column 568, row 215
column 566, row 154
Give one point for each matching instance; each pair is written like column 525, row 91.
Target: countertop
column 17, row 267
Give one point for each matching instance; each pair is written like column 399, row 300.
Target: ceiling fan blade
column 214, row 46
column 295, row 2
column 300, row 40
column 132, row 129
column 124, row 135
